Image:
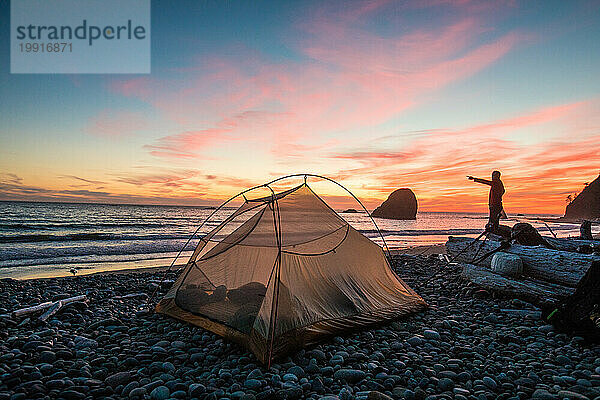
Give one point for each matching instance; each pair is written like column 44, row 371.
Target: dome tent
column 291, row 274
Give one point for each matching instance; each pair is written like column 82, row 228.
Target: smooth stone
column 55, row 384
column 415, row 341
column 47, row 356
column 237, row 395
column 445, row 384
column 297, row 371
column 158, row 349
column 129, row 387
column 290, row 393
column 253, row 384
column 196, row 389
column 82, row 342
column 346, row 394
column 179, row 394
column 543, row 394
column 431, row 334
column 120, row 378
column 562, row 360
column 461, row 392
column 317, row 354
column 375, row 395
column 137, row 393
column 490, row 383
column 168, row 367
column 584, row 382
column 349, row 375
column 160, row 393
column 567, row 394
column 447, row 374
column 336, row 360
column 256, row 373
column 72, row 395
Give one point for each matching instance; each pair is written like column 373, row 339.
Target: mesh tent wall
column 293, row 273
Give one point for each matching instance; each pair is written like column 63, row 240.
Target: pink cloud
column 165, row 178
column 190, row 144
column 187, row 144
column 350, row 79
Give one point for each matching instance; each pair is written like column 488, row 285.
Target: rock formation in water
column 587, row 204
column 401, row 204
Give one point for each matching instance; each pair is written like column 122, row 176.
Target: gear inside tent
column 291, row 274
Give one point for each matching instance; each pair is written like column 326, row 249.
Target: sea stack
column 587, row 204
column 401, row 204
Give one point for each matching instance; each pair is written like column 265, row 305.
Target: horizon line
column 215, row 206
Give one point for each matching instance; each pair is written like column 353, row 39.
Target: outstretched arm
column 479, row 180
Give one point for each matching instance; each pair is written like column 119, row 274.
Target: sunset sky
column 376, row 94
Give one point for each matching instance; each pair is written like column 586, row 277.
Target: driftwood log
column 57, row 305
column 533, row 291
column 564, row 244
column 30, row 310
column 571, row 244
column 131, row 296
column 561, row 267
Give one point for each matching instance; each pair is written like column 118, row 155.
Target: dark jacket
column 496, row 191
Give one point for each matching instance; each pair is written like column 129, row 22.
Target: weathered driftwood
column 30, row 310
column 57, row 305
column 564, row 244
column 131, row 296
column 536, row 292
column 561, row 267
column 570, row 244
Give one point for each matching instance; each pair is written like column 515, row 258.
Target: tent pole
column 275, row 302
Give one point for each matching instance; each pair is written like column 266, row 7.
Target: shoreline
column 411, row 250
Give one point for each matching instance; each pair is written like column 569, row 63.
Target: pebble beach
column 465, row 346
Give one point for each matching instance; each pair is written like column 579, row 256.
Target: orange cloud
column 537, row 177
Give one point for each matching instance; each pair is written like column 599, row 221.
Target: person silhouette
column 495, row 199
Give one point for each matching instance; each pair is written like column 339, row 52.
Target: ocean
column 49, row 239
